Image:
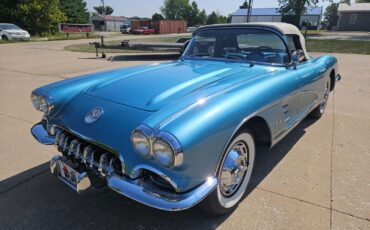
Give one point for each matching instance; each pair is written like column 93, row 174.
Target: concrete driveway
column 318, row 177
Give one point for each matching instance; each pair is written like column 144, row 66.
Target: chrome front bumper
column 136, row 189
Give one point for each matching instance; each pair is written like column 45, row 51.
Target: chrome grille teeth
column 78, row 151
column 101, row 163
column 65, row 145
column 72, row 147
column 61, row 141
column 57, row 136
column 92, row 159
column 87, row 154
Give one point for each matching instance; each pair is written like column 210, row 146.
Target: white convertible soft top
column 284, row 28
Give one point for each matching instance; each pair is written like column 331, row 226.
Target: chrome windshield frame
column 283, row 38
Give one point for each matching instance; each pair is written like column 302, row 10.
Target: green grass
column 338, row 46
column 62, row 36
column 312, row 32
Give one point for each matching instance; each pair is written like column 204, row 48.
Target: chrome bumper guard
column 83, row 184
column 41, row 134
column 136, row 189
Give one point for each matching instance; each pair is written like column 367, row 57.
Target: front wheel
column 5, row 38
column 320, row 109
column 233, row 176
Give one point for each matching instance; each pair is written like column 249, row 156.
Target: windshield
column 248, row 45
column 9, row 27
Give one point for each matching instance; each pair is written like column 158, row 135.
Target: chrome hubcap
column 234, row 169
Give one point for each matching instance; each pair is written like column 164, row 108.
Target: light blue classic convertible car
column 172, row 135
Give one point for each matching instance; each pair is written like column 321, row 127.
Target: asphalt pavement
column 318, row 177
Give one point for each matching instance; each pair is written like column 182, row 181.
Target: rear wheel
column 5, row 38
column 233, row 176
column 320, row 109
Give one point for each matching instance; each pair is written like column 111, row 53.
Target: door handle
column 322, row 71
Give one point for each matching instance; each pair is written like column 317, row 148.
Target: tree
column 346, row 1
column 331, row 15
column 8, row 11
column 202, row 17
column 245, row 5
column 75, row 10
column 40, row 16
column 157, row 17
column 292, row 10
column 362, row 1
column 216, row 18
column 100, row 10
column 175, row 9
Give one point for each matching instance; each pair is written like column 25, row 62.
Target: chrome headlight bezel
column 42, row 102
column 174, row 150
column 163, row 153
column 142, row 132
column 35, row 101
column 177, row 157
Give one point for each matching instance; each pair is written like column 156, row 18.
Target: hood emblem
column 93, row 115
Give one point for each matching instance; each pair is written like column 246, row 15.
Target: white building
column 311, row 17
column 112, row 23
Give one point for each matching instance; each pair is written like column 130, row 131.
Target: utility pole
column 249, row 11
column 104, row 29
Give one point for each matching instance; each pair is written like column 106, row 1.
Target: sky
column 146, row 8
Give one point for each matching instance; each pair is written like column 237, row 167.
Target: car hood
column 152, row 87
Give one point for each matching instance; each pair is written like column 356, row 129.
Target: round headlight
column 35, row 101
column 44, row 106
column 140, row 143
column 163, row 153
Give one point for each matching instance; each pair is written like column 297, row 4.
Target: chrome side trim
column 292, row 126
column 135, row 190
column 40, row 133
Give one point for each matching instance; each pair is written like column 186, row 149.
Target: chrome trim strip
column 292, row 126
column 169, row 202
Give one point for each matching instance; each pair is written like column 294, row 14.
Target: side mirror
column 297, row 57
column 295, row 60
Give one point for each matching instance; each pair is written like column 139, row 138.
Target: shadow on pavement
column 43, row 202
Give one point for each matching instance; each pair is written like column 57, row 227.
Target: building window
column 352, row 19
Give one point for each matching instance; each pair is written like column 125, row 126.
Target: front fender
column 205, row 127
